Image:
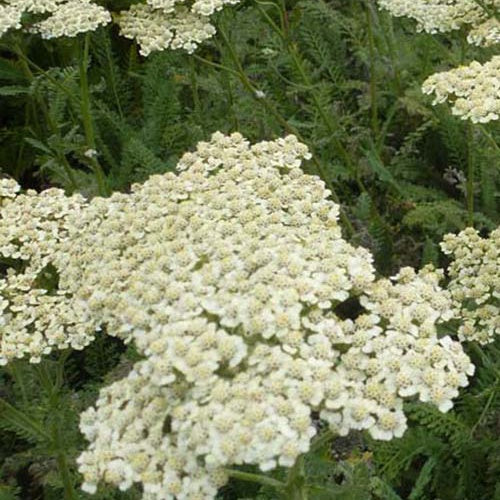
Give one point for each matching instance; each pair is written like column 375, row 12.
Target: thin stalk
column 17, row 376
column 489, row 137
column 87, row 116
column 17, row 50
column 296, row 488
column 111, row 73
column 60, row 368
column 52, row 386
column 470, row 176
column 228, row 89
column 255, row 478
column 389, row 37
column 373, row 82
column 62, row 464
column 321, row 440
column 195, row 91
column 483, row 413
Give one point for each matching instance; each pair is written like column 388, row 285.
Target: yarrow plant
column 474, row 89
column 228, row 278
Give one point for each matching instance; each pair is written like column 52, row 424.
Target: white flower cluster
column 475, row 283
column 65, row 17
column 175, row 24
column 34, row 319
column 36, row 6
column 436, row 16
column 228, row 277
column 73, row 17
column 485, row 34
column 474, row 90
column 10, row 18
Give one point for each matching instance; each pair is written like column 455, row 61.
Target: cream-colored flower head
column 441, row 15
column 73, row 17
column 170, row 24
column 156, row 30
column 10, row 18
column 65, row 17
column 475, row 283
column 473, row 90
column 36, row 6
column 228, row 278
column 485, row 34
column 36, row 313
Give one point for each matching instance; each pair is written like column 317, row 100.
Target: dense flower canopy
column 228, row 277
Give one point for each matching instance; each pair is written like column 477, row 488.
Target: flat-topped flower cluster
column 436, row 16
column 473, row 90
column 475, row 283
column 163, row 24
column 59, row 17
column 228, row 278
column 154, row 24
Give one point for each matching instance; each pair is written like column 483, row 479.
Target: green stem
column 470, row 175
column 255, row 478
column 226, row 84
column 483, row 413
column 321, row 440
column 489, row 137
column 18, row 379
column 391, row 43
column 111, row 73
column 87, row 116
column 195, row 91
column 373, row 82
column 62, row 464
column 60, row 368
column 296, row 488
